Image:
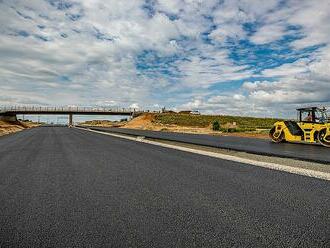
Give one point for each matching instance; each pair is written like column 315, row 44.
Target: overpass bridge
column 10, row 113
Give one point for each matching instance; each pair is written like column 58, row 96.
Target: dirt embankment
column 153, row 122
column 145, row 122
column 190, row 123
column 7, row 127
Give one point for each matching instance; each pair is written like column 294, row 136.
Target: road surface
column 62, row 187
column 314, row 153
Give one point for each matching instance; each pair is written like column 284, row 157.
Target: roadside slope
column 7, row 127
column 202, row 124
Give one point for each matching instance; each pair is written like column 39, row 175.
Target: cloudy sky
column 245, row 57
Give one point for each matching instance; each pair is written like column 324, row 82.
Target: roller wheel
column 276, row 136
column 323, row 138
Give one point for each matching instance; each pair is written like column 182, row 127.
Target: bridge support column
column 70, row 120
column 8, row 118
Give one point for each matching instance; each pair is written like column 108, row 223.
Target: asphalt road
column 314, row 153
column 62, row 187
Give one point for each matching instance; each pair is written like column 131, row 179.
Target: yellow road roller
column 312, row 127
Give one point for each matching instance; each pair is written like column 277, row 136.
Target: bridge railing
column 5, row 109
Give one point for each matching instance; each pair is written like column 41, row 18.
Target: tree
column 216, row 126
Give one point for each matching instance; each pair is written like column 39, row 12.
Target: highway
column 62, row 187
column 314, row 153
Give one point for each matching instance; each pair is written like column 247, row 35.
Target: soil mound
column 144, row 121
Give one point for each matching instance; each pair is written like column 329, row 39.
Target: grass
column 243, row 123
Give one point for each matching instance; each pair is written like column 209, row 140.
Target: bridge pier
column 12, row 117
column 70, row 120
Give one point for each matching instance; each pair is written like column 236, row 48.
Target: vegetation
column 96, row 122
column 237, row 130
column 216, row 126
column 242, row 123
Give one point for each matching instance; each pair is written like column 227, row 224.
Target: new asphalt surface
column 62, row 187
column 314, row 153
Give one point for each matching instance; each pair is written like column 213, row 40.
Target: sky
column 239, row 57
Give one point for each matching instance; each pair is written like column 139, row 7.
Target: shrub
column 216, row 126
column 232, row 130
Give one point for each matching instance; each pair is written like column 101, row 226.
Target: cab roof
column 308, row 109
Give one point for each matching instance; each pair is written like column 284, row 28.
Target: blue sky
column 242, row 57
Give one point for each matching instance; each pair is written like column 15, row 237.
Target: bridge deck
column 68, row 110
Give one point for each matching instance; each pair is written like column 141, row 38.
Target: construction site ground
column 148, row 122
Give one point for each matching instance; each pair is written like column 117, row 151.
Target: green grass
column 243, row 123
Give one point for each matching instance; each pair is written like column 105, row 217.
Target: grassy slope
column 207, row 120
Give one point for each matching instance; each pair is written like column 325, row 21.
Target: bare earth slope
column 12, row 127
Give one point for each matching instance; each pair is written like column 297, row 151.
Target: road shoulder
column 310, row 169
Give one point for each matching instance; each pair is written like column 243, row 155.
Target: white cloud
column 225, row 31
column 134, row 106
column 87, row 54
column 210, row 67
column 291, row 69
column 268, row 33
column 313, row 17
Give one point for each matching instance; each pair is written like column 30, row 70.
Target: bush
column 216, row 126
column 232, row 130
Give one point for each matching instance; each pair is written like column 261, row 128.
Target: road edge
column 268, row 165
column 220, row 146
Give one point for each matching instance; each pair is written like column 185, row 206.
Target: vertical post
column 70, row 120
